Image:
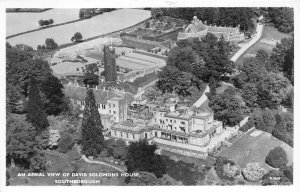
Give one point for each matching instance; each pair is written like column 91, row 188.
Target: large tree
column 91, row 136
column 77, row 37
column 227, row 108
column 21, row 147
column 35, row 113
column 282, row 58
column 141, row 157
column 54, row 101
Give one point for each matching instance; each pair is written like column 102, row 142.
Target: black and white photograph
column 149, row 96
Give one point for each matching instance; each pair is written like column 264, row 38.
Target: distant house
column 199, row 30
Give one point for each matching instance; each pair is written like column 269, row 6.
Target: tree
column 54, row 99
column 90, row 79
column 283, row 18
column 8, row 45
column 156, row 13
column 21, row 146
column 77, row 37
column 51, row 21
column 212, row 85
column 65, row 143
column 141, row 157
column 167, row 78
column 282, row 58
column 50, row 44
column 91, row 137
column 35, row 113
column 227, row 108
column 41, row 22
column 249, row 94
column 81, row 13
column 13, row 99
column 20, row 141
column 277, row 158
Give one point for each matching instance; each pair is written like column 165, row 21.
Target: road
column 259, row 30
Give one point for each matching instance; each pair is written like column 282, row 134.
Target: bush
column 253, row 172
column 38, row 163
column 277, row 158
column 65, row 143
column 231, row 170
column 220, row 164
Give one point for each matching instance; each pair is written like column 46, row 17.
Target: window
column 121, row 134
column 114, row 105
column 133, row 136
column 109, row 105
column 171, row 120
column 115, row 112
column 103, row 106
column 155, row 134
column 115, row 118
column 115, row 133
column 166, row 119
column 145, row 135
column 174, row 121
column 127, row 135
column 109, row 111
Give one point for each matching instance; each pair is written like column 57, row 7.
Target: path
column 102, row 163
column 259, row 30
column 87, row 160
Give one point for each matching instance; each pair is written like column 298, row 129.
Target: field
column 112, row 21
column 25, row 21
column 271, row 35
column 254, row 146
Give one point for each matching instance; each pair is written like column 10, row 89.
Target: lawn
column 272, row 33
column 25, row 21
column 254, row 147
column 269, row 33
column 98, row 25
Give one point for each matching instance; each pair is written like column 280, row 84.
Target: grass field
column 254, row 148
column 98, row 25
column 21, row 22
column 269, row 33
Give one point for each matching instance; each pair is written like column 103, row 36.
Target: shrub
column 38, row 163
column 277, row 157
column 253, row 172
column 65, row 143
column 219, row 167
column 231, row 170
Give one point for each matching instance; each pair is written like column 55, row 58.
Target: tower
column 110, row 70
